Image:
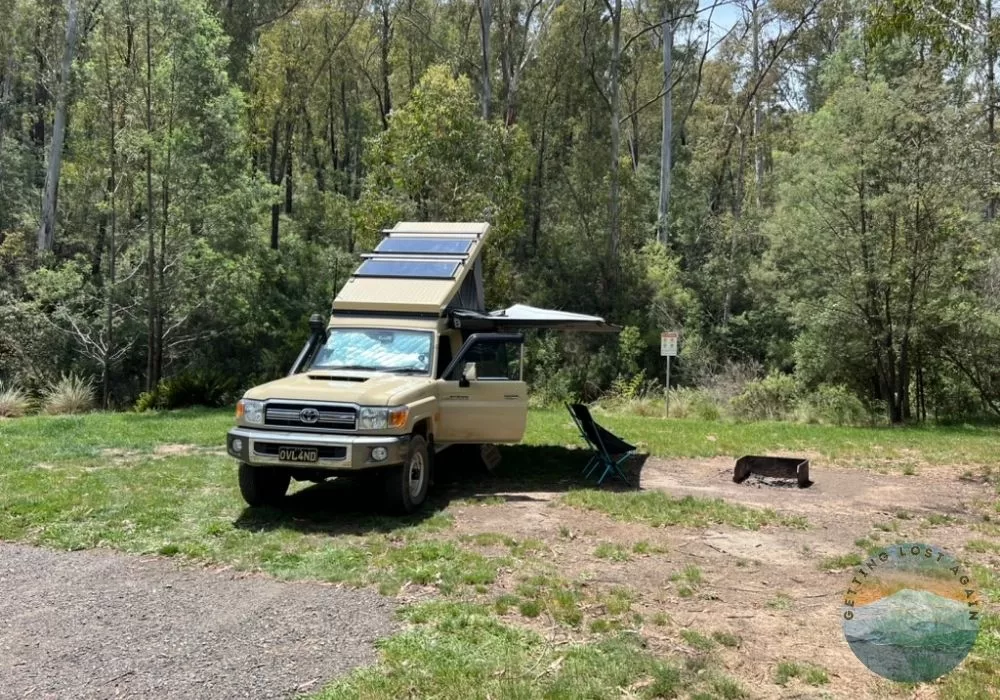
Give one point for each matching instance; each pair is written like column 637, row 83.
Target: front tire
column 406, row 486
column 263, row 486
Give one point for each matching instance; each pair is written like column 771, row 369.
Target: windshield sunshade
column 375, row 350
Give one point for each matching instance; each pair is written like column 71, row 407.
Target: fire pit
column 776, row 471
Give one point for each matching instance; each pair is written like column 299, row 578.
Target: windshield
column 376, row 350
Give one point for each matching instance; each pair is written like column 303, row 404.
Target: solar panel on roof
column 430, row 269
column 425, row 245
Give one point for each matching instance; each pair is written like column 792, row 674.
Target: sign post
column 668, row 349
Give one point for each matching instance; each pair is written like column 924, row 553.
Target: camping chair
column 609, row 449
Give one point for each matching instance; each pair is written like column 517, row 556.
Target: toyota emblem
column 309, row 415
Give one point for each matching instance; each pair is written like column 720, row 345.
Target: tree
column 439, row 161
column 870, row 236
column 46, row 229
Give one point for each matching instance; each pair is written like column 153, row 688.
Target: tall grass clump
column 833, row 405
column 775, row 397
column 14, row 402
column 71, row 394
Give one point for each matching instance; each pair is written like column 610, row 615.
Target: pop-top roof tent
column 434, row 269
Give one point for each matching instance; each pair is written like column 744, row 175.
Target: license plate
column 298, row 454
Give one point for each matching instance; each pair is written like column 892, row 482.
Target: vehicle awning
column 523, row 316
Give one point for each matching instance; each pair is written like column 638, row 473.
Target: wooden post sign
column 668, row 349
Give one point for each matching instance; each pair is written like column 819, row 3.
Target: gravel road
column 102, row 625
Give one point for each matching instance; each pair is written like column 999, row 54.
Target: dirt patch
column 175, row 450
column 97, row 625
column 118, row 457
column 770, row 589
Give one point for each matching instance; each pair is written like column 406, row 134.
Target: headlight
column 373, row 418
column 250, row 411
column 378, row 418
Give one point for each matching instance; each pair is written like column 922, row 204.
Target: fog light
column 237, row 445
column 379, row 453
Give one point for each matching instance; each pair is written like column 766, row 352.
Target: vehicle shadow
column 528, row 469
column 347, row 506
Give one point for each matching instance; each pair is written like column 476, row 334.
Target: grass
column 983, row 547
column 980, row 672
column 809, row 674
column 642, row 547
column 104, row 480
column 618, row 601
column 659, row 509
column 690, row 574
column 726, row 639
column 612, row 552
column 697, row 641
column 843, row 561
column 973, row 445
column 189, row 506
column 14, row 402
column 458, row 650
column 781, row 601
column 551, row 595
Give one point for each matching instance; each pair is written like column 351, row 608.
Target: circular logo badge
column 911, row 613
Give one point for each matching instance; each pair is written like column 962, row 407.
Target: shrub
column 71, row 394
column 836, row 405
column 627, row 389
column 693, row 403
column 14, row 402
column 211, row 389
column 772, row 398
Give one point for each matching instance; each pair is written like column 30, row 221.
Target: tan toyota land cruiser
column 409, row 364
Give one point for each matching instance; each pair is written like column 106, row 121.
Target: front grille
column 329, row 417
column 329, row 452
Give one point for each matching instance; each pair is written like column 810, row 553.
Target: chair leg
column 613, row 466
column 590, row 466
column 620, row 473
column 609, row 466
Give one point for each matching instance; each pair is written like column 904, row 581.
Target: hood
column 371, row 389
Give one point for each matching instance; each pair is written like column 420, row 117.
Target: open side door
column 482, row 395
column 523, row 317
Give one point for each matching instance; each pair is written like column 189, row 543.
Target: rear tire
column 406, row 486
column 263, row 486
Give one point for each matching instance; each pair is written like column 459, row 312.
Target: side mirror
column 468, row 374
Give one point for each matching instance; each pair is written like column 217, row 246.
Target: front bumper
column 336, row 452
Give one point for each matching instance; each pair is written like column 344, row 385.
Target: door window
column 496, row 360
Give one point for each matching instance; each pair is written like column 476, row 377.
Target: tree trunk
column 758, row 114
column 536, row 209
column 109, row 330
column 411, row 69
column 164, row 221
column 6, row 99
column 288, row 180
column 615, row 99
column 666, row 138
column 991, row 110
column 386, row 37
column 152, row 379
column 485, row 25
column 507, row 69
column 348, row 143
column 275, row 178
column 46, row 230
